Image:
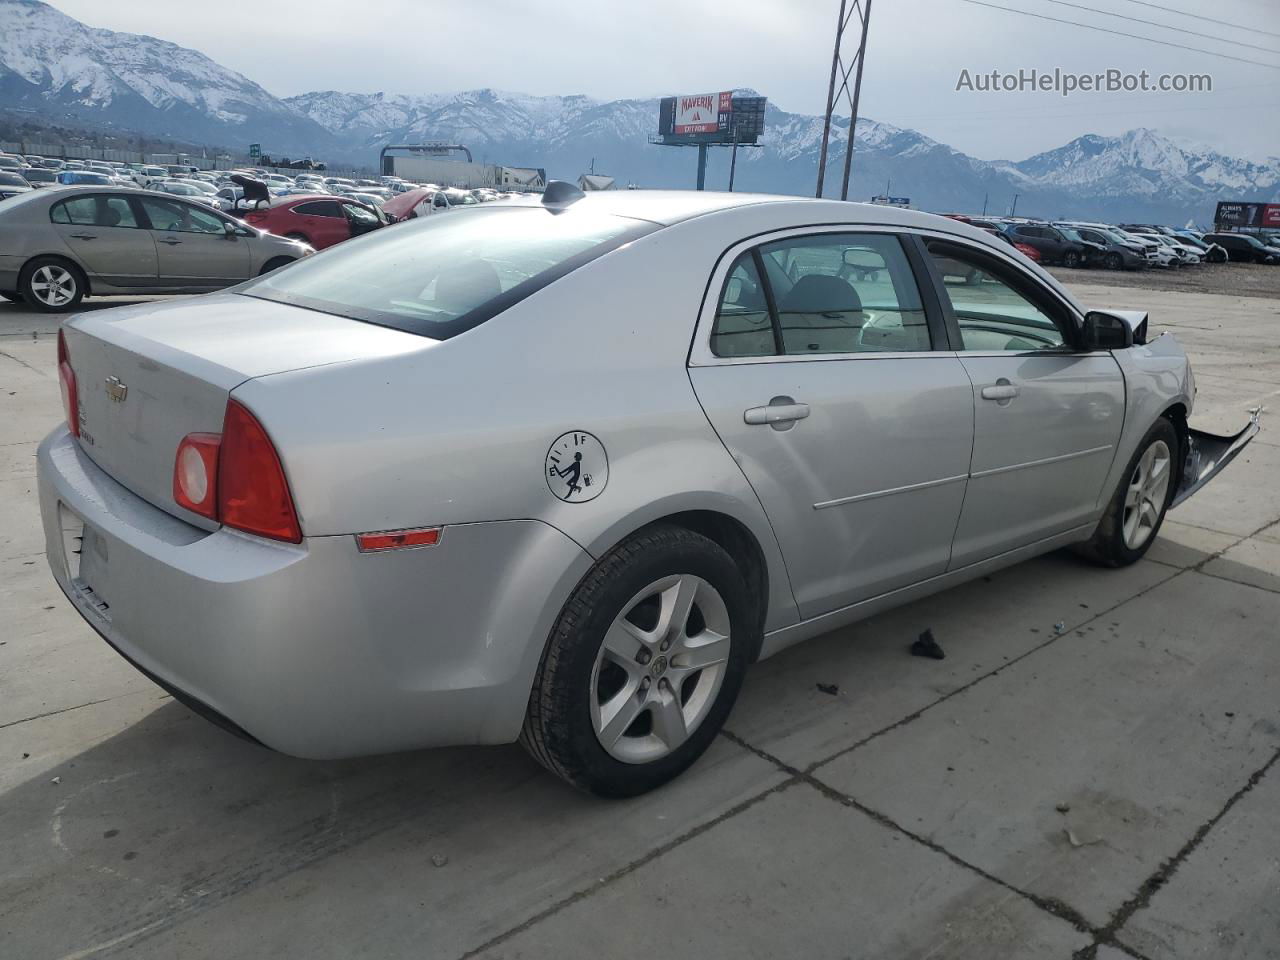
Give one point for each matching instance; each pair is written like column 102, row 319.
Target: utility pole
column 984, row 203
column 1014, row 208
column 862, row 8
column 702, row 166
column 733, row 156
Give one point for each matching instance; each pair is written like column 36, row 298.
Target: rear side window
column 831, row 293
column 97, row 211
column 440, row 276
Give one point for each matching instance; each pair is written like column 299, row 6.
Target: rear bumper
column 315, row 649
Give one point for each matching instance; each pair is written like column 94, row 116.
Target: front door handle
column 172, row 243
column 1003, row 391
column 781, row 413
column 84, row 236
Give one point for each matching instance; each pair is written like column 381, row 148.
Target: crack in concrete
column 54, row 713
column 21, row 362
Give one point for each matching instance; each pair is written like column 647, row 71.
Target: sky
column 916, row 52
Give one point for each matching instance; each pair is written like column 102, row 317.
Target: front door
column 817, row 367
column 103, row 232
column 193, row 247
column 1047, row 415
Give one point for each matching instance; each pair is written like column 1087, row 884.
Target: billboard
column 710, row 118
column 1239, row 215
column 702, row 113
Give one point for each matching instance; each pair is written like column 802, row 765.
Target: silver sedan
column 61, row 244
column 559, row 471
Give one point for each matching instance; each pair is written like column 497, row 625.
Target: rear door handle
column 171, row 243
column 1003, row 390
column 84, row 236
column 780, row 413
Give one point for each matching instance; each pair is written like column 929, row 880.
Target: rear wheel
column 52, row 285
column 643, row 665
column 1136, row 511
column 1113, row 261
column 1071, row 259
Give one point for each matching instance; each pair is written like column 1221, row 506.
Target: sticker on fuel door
column 577, row 467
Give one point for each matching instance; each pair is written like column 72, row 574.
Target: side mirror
column 229, row 230
column 1105, row 330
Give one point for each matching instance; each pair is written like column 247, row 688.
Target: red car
column 318, row 220
column 1026, row 250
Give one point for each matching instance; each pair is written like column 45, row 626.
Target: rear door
column 827, row 377
column 103, row 232
column 322, row 222
column 1047, row 414
column 193, row 248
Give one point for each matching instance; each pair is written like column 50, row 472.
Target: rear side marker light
column 195, row 474
column 67, row 383
column 398, row 539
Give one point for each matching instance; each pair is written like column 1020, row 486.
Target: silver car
column 558, row 471
column 61, row 244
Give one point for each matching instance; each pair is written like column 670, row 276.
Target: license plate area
column 85, row 552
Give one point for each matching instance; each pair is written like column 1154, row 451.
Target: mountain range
column 54, row 68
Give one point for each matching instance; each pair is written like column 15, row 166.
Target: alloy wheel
column 1145, row 497
column 659, row 668
column 54, row 286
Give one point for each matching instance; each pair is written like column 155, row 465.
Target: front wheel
column 643, row 665
column 1071, row 259
column 1113, row 261
column 1136, row 511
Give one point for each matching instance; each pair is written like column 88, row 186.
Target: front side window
column 823, row 294
column 180, row 217
column 360, row 214
column 992, row 315
column 318, row 208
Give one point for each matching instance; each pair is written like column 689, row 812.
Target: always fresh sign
column 700, row 113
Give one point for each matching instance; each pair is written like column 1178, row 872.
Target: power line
column 1196, row 16
column 1164, row 26
column 1119, row 33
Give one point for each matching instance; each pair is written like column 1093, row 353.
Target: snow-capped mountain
column 58, row 69
column 54, row 65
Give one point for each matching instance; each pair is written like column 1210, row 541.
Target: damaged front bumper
column 1208, row 453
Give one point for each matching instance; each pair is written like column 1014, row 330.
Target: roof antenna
column 561, row 192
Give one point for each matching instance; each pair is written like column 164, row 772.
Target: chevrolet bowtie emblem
column 116, row 389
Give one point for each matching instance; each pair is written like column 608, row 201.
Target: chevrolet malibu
column 558, row 471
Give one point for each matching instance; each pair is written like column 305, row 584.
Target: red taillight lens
column 253, row 494
column 195, row 474
column 67, row 381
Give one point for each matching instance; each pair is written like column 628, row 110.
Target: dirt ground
column 1233, row 279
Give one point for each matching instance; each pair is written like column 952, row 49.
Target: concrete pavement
column 1107, row 788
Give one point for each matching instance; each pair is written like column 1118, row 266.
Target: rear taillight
column 67, row 381
column 253, row 494
column 195, row 474
column 236, row 478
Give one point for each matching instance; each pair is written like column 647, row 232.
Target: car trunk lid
column 148, row 375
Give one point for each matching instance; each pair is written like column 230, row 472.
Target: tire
column 583, row 686
column 275, row 264
column 1071, row 259
column 1113, row 261
column 52, row 285
column 13, row 296
column 1116, row 543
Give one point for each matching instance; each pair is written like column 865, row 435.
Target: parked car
column 422, row 490
column 13, row 183
column 1115, row 252
column 1185, row 254
column 412, row 204
column 39, row 177
column 68, row 178
column 1210, row 252
column 12, row 163
column 1053, row 245
column 148, row 175
column 196, row 190
column 1243, row 248
column 317, row 220
column 60, row 244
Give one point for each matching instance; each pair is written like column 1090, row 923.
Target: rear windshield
column 440, row 276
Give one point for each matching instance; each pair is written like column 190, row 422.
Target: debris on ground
column 1077, row 842
column 1059, row 627
column 56, row 780
column 439, row 859
column 926, row 646
column 831, row 689
column 1063, row 808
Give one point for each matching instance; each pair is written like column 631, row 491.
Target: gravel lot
column 1233, row 279
column 1092, row 771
